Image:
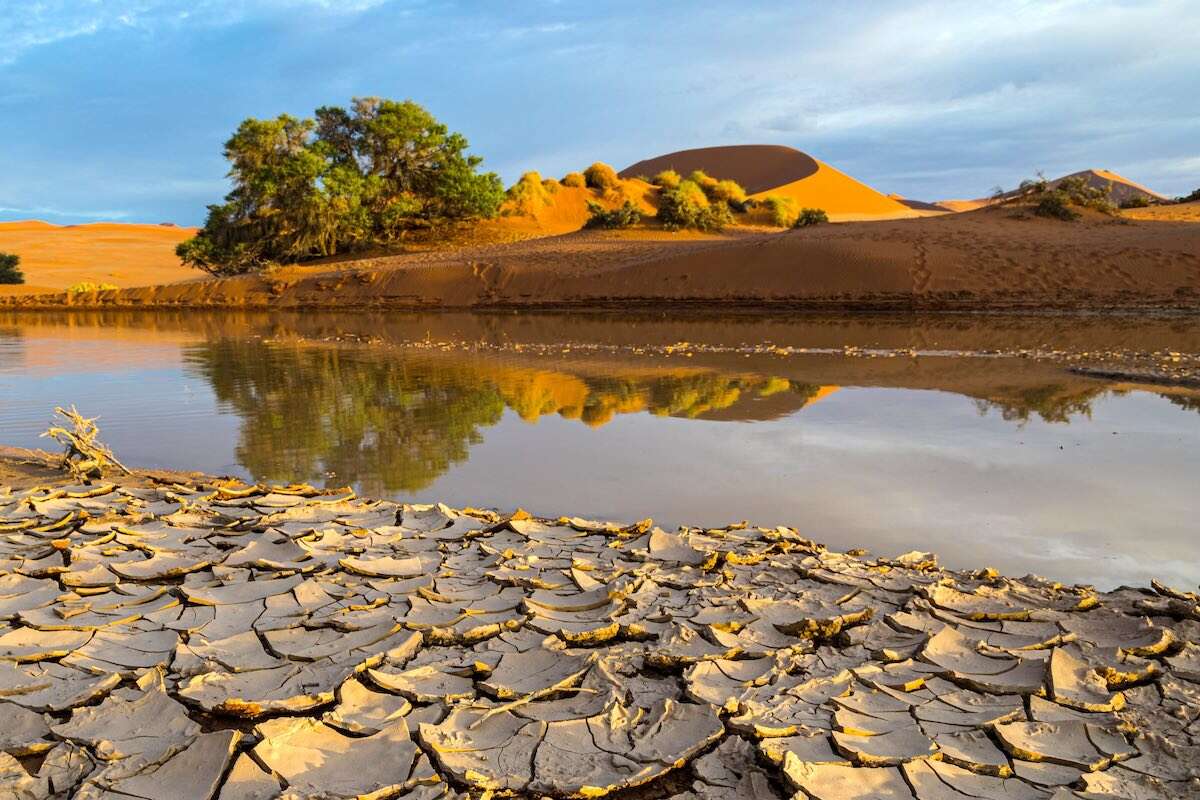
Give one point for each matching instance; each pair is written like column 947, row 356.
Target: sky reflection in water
column 1011, row 464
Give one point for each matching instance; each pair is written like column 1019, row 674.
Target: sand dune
column 995, row 258
column 54, row 257
column 1120, row 190
column 842, row 197
column 765, row 170
column 757, row 167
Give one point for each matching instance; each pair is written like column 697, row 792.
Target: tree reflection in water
column 390, row 421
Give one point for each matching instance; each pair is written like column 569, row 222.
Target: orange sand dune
column 842, row 197
column 765, row 170
column 995, row 258
column 54, row 257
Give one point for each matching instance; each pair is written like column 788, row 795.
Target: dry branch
column 85, row 458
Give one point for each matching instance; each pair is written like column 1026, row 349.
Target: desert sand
column 54, row 257
column 215, row 637
column 994, row 258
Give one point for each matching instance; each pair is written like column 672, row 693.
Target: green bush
column 811, row 216
column 667, row 179
column 10, row 269
column 574, row 180
column 729, row 192
column 529, row 194
column 625, row 216
column 1136, row 201
column 703, row 180
column 1055, row 205
column 350, row 179
column 601, row 176
column 686, row 206
column 782, row 211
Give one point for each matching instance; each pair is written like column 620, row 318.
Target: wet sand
column 215, row 637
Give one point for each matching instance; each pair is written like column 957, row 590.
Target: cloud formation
column 125, row 103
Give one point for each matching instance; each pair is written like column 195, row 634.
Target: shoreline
column 992, row 260
column 358, row 647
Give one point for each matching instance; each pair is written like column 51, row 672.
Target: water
column 984, row 459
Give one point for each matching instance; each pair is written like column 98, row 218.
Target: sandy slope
column 842, row 197
column 54, row 257
column 992, row 258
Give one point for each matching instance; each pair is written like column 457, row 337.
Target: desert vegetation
column 699, row 202
column 624, row 216
column 782, row 211
column 347, row 180
column 574, row 179
column 811, row 216
column 530, row 193
column 1061, row 200
column 667, row 179
column 88, row 286
column 687, row 206
column 602, row 177
column 10, row 269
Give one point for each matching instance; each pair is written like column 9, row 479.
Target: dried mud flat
column 208, row 639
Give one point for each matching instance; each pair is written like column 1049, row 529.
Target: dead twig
column 85, row 457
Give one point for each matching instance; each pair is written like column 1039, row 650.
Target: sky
column 118, row 109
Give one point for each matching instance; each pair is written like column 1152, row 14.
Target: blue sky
column 117, row 109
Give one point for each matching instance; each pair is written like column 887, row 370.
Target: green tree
column 347, row 180
column 10, row 270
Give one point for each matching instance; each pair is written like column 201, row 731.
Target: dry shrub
column 703, row 180
column 624, row 216
column 782, row 211
column 686, row 206
column 528, row 195
column 575, row 180
column 667, row 179
column 87, row 286
column 729, row 192
column 811, row 216
column 601, row 176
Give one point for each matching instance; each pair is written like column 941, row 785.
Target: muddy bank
column 218, row 637
column 995, row 258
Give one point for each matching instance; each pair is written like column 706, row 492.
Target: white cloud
column 27, row 26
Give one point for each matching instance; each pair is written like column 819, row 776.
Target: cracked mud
column 216, row 640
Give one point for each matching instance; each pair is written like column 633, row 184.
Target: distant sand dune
column 757, row 167
column 54, row 257
column 765, row 170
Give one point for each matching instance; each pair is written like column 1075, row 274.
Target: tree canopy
column 10, row 271
column 347, row 180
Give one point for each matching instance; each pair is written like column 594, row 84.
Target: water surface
column 890, row 434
